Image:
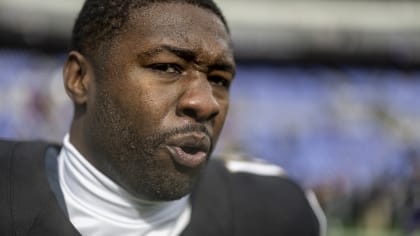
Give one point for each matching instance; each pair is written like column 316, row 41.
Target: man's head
column 101, row 20
column 151, row 91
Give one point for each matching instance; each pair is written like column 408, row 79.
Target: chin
column 164, row 186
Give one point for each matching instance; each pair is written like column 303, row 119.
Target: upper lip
column 191, row 142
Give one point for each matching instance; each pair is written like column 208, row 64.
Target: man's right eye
column 167, row 68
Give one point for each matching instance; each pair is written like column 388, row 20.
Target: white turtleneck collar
column 97, row 206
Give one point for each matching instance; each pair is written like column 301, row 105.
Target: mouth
column 190, row 150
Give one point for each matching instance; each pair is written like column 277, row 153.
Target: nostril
column 214, row 114
column 190, row 112
column 196, row 115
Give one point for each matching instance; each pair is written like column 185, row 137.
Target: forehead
column 178, row 24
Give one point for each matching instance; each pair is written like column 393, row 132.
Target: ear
column 77, row 76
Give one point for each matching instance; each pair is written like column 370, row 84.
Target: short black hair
column 100, row 20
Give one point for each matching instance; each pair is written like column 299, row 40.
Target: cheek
column 147, row 108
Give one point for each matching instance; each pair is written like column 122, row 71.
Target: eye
column 219, row 81
column 167, row 68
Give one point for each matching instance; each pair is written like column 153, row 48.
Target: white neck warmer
column 97, row 206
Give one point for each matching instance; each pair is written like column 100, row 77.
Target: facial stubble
column 137, row 161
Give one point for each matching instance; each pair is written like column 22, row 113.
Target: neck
column 89, row 192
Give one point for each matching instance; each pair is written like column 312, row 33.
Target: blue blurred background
column 329, row 90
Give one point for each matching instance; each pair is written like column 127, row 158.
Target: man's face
column 160, row 99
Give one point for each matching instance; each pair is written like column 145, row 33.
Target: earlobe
column 76, row 77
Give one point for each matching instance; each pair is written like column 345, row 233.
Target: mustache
column 160, row 138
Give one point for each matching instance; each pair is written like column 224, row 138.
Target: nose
column 198, row 101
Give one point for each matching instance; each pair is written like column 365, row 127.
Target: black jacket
column 223, row 203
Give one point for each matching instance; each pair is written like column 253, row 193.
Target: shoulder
column 259, row 180
column 261, row 194
column 22, row 158
column 23, row 150
column 12, row 186
column 21, row 161
column 6, row 146
column 242, row 168
column 23, row 174
column 240, row 163
column 11, row 145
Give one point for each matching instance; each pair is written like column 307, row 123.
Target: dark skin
column 149, row 108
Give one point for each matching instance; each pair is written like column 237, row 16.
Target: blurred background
column 329, row 90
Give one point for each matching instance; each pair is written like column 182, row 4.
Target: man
column 150, row 85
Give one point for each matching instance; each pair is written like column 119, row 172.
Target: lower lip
column 187, row 159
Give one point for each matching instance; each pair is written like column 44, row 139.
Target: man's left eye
column 219, row 81
column 167, row 68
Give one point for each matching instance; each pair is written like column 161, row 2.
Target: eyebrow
column 224, row 67
column 189, row 55
column 183, row 53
